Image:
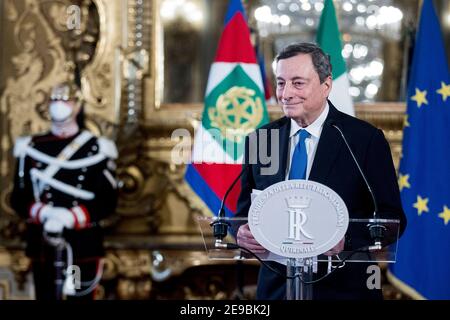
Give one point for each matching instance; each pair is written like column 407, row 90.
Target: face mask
column 60, row 111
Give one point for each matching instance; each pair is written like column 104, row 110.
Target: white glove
column 57, row 216
column 45, row 213
column 53, row 226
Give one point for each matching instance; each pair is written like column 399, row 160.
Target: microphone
column 376, row 230
column 220, row 225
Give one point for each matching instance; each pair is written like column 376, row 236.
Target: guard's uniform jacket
column 77, row 173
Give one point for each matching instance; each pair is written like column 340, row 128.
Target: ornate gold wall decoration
column 172, row 274
column 389, row 117
column 25, row 89
column 15, row 282
column 100, row 83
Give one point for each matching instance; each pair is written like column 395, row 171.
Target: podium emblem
column 298, row 218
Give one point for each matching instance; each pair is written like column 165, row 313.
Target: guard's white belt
column 71, row 165
column 68, row 151
column 61, row 186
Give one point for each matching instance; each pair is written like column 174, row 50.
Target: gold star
column 444, row 91
column 420, row 97
column 405, row 121
column 421, row 205
column 403, row 181
column 445, row 215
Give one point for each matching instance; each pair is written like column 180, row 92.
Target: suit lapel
column 330, row 143
column 283, row 143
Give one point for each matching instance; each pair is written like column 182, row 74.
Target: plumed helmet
column 65, row 91
column 70, row 88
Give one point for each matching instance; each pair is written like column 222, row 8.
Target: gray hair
column 320, row 60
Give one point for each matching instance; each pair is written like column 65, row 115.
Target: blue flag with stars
column 423, row 257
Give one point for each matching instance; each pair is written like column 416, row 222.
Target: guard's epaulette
column 21, row 145
column 107, row 147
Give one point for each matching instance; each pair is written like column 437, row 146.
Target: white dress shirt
column 315, row 130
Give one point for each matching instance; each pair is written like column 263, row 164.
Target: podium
column 302, row 269
column 298, row 222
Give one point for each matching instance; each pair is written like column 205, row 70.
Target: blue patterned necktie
column 300, row 158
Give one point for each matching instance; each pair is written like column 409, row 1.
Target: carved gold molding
column 13, row 280
column 100, row 84
column 388, row 116
column 144, row 274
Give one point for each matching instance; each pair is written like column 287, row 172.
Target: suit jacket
column 334, row 167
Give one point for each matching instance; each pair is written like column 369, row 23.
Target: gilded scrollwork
column 25, row 89
column 14, row 276
column 170, row 274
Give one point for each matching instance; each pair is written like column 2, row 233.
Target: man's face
column 63, row 111
column 299, row 90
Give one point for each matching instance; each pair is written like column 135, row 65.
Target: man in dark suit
column 309, row 147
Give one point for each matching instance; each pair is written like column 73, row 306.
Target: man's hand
column 337, row 248
column 53, row 226
column 245, row 239
column 63, row 216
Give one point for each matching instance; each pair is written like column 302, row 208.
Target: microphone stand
column 221, row 225
column 376, row 230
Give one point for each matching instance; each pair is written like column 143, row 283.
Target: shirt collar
column 314, row 128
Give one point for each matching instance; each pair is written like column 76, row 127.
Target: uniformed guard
column 64, row 186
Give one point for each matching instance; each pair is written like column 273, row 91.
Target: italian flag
column 329, row 39
column 234, row 107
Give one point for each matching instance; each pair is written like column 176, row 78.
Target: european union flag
column 423, row 258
